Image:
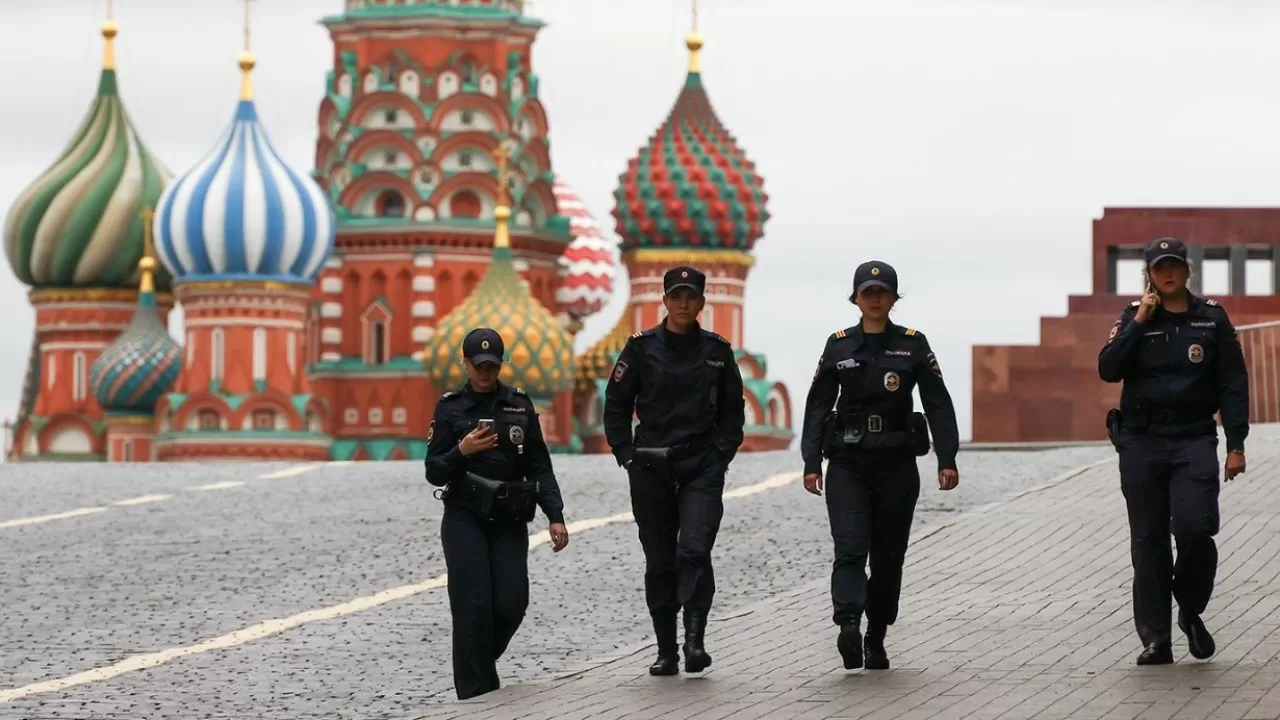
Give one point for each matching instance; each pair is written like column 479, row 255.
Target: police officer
column 684, row 387
column 872, row 440
column 485, row 448
column 1180, row 361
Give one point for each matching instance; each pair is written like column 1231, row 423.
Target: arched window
column 216, row 355
column 391, row 204
column 79, row 379
column 464, row 204
column 259, row 354
column 378, row 338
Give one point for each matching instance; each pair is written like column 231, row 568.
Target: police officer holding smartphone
column 485, row 448
column 1180, row 361
column 684, row 386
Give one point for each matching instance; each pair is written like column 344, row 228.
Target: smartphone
column 485, row 426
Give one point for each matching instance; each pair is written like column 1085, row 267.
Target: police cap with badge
column 684, row 276
column 1165, row 247
column 874, row 274
column 483, row 345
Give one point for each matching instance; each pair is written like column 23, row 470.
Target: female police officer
column 872, row 440
column 1180, row 361
column 487, row 506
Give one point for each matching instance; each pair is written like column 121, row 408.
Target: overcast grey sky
column 968, row 142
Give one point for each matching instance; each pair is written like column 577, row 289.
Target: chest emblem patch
column 892, row 382
column 516, row 434
column 1195, row 354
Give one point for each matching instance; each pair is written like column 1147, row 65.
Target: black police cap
column 684, row 276
column 875, row 273
column 1165, row 247
column 483, row 345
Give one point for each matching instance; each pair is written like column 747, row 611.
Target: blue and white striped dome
column 242, row 214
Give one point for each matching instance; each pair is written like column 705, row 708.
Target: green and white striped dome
column 80, row 223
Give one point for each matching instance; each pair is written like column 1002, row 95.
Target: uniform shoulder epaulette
column 643, row 333
column 716, row 336
column 446, row 396
column 519, row 391
column 1211, row 302
column 841, row 334
column 910, row 332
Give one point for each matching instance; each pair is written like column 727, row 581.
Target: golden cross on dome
column 694, row 43
column 247, row 60
column 147, row 264
column 109, row 32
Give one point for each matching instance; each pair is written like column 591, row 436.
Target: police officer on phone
column 1180, row 361
column 872, row 440
column 683, row 385
column 485, row 448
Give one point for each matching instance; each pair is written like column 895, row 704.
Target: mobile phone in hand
column 485, row 426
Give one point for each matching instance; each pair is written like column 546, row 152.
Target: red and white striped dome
column 586, row 268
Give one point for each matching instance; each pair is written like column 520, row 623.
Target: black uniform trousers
column 678, row 516
column 1170, row 484
column 871, row 500
column 488, row 566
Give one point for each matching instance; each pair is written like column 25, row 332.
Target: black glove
column 624, row 455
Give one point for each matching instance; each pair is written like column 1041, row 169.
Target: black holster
column 494, row 499
column 658, row 460
column 919, row 434
column 1114, row 419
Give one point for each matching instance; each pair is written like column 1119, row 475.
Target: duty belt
column 875, row 423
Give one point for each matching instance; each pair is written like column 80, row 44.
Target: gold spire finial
column 694, row 43
column 247, row 60
column 109, row 31
column 147, row 265
column 501, row 213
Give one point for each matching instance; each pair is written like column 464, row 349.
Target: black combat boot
column 696, row 658
column 877, row 658
column 850, row 646
column 1156, row 653
column 668, row 662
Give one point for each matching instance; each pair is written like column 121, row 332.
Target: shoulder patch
column 431, row 430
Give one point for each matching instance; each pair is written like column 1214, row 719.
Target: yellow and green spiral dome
column 539, row 351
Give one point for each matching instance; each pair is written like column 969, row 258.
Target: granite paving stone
column 85, row 592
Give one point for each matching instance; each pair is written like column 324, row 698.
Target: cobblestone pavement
column 199, row 551
column 1018, row 610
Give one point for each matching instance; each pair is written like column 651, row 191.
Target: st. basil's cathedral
column 324, row 311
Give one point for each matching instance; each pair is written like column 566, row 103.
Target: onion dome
column 586, row 267
column 539, row 352
column 79, row 224
column 242, row 213
column 597, row 362
column 143, row 362
column 692, row 185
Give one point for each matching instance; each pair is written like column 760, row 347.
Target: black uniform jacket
column 682, row 387
column 516, row 423
column 874, row 375
column 1178, row 369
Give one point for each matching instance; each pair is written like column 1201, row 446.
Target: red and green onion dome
column 692, row 186
column 80, row 223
